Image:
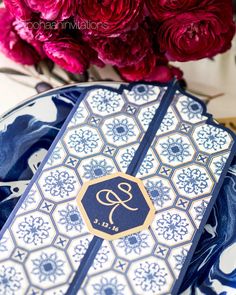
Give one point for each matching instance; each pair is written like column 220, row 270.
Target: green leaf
column 10, row 71
column 46, row 63
column 78, row 77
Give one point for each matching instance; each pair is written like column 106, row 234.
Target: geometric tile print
column 42, row 248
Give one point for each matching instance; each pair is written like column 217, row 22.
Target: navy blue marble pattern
column 27, row 132
column 213, row 266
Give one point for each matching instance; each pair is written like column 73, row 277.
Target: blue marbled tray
column 27, row 132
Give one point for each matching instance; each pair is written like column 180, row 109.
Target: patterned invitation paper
column 46, row 237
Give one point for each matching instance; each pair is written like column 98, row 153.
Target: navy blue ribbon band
column 85, row 265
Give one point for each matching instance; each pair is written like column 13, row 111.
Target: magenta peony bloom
column 12, row 45
column 139, row 70
column 54, row 10
column 48, row 9
column 109, row 17
column 195, row 35
column 37, row 30
column 164, row 73
column 201, row 32
column 164, row 9
column 29, row 36
column 125, row 50
column 68, row 54
column 153, row 68
column 139, row 37
column 19, row 9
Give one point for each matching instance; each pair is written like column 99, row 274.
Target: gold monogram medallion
column 115, row 206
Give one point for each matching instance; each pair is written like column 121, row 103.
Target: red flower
column 48, row 9
column 139, row 71
column 108, row 17
column 18, row 8
column 30, row 36
column 197, row 34
column 37, row 30
column 54, row 10
column 124, row 50
column 180, row 30
column 12, row 45
column 69, row 54
column 164, row 73
column 152, row 68
column 163, row 9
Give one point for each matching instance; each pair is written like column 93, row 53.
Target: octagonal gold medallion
column 115, row 206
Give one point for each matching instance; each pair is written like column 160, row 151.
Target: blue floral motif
column 167, row 122
column 158, row 191
column 150, row 277
column 3, row 246
column 10, row 281
column 142, row 92
column 148, row 115
column 200, row 210
column 70, row 218
column 120, row 130
column 134, row 243
column 59, row 184
column 219, row 165
column 180, row 259
column 80, row 249
column 29, row 200
column 192, row 180
column 191, row 108
column 172, row 227
column 48, row 267
column 106, row 101
column 146, row 165
column 97, row 168
column 33, row 230
column 55, row 155
column 175, row 149
column 108, row 287
column 127, row 157
column 83, row 141
column 101, row 257
column 211, row 137
column 78, row 115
